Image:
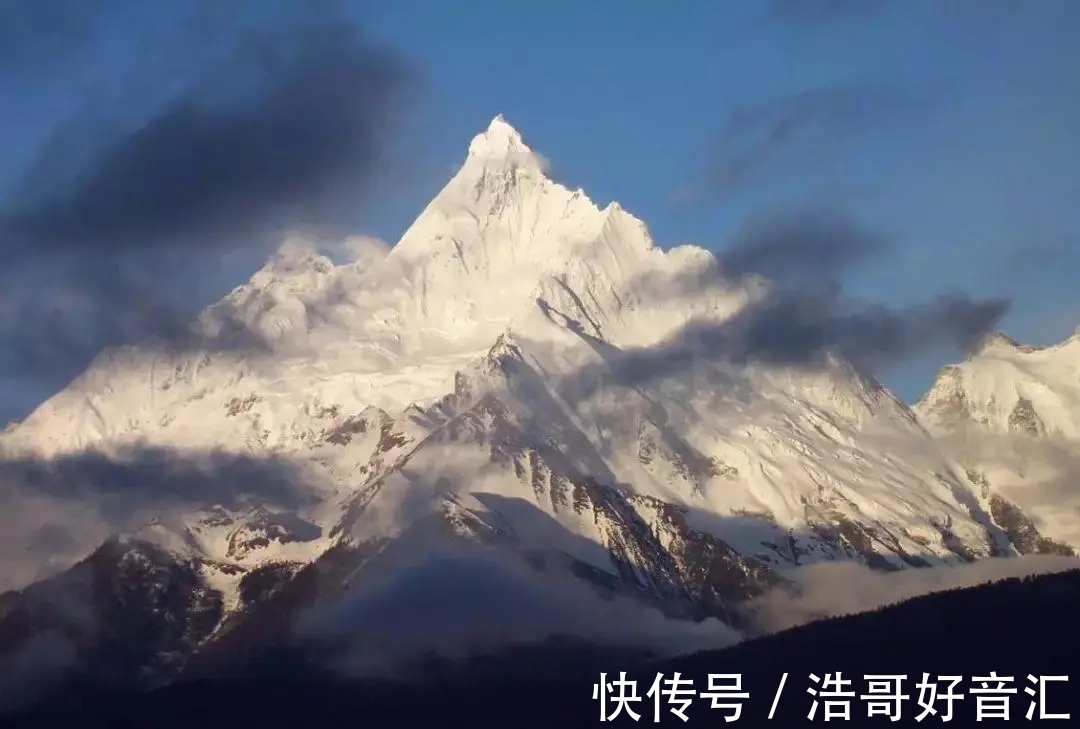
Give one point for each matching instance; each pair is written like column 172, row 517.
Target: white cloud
column 832, row 589
column 545, row 163
column 468, row 601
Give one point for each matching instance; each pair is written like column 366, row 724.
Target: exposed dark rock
column 1022, row 531
column 343, row 434
column 261, row 582
column 262, row 527
column 235, row 406
column 1023, row 420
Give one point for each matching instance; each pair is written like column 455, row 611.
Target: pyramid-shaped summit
column 480, row 248
column 502, row 143
column 499, row 135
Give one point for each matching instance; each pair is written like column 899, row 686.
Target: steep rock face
column 521, row 370
column 1022, row 531
column 1010, row 416
column 539, row 503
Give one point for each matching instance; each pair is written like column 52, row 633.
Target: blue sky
column 973, row 165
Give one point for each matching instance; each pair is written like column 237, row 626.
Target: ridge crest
column 502, row 142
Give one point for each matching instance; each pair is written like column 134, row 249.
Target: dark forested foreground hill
column 1013, row 627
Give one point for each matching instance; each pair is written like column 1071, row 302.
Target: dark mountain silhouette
column 1015, row 627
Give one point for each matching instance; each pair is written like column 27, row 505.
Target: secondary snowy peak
column 1010, row 416
column 296, row 255
column 999, row 344
column 1008, row 387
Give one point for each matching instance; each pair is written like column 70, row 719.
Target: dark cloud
column 57, row 510
column 284, row 129
column 801, row 327
column 808, row 243
column 758, row 137
column 802, row 315
column 200, row 171
column 48, row 330
column 806, row 314
column 136, row 478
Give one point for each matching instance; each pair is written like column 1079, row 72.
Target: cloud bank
column 834, row 589
column 464, row 601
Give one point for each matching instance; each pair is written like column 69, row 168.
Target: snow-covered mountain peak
column 476, row 255
column 491, row 242
column 998, row 343
column 1010, row 413
column 501, row 143
column 1008, row 387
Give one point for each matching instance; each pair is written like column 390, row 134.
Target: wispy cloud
column 815, row 125
column 800, row 314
